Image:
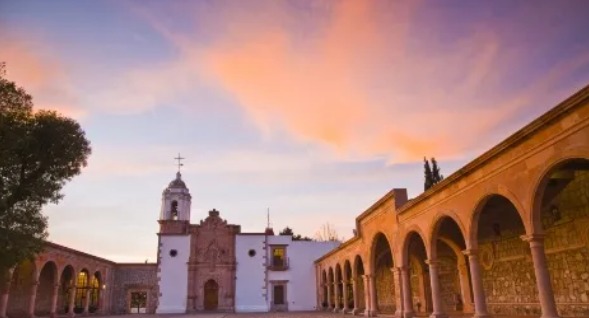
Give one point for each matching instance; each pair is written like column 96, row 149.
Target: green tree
column 295, row 237
column 428, row 176
column 436, row 176
column 39, row 152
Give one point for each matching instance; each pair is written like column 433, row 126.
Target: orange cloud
column 42, row 75
column 354, row 81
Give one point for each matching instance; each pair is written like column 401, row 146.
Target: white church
column 212, row 265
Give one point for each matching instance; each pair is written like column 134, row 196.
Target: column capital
column 471, row 252
column 432, row 262
column 533, row 238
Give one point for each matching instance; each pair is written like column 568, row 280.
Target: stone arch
column 471, row 237
column 331, row 286
column 82, row 282
column 435, row 229
column 47, row 279
column 21, row 286
column 339, row 286
column 348, row 277
column 542, row 180
column 95, row 286
column 381, row 260
column 66, row 287
column 415, row 255
column 358, row 272
column 414, row 229
column 373, row 245
column 324, row 286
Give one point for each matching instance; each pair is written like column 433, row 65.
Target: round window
column 173, row 253
column 251, row 253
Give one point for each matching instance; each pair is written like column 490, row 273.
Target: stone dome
column 177, row 183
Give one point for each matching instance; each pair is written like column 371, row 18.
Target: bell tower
column 176, row 201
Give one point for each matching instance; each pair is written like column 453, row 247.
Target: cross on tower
column 180, row 164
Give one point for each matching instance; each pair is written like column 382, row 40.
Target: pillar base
column 408, row 314
column 366, row 313
column 355, row 311
column 438, row 315
column 481, row 316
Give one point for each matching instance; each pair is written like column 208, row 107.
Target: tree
column 327, row 233
column 39, row 152
column 288, row 231
column 427, row 171
column 431, row 173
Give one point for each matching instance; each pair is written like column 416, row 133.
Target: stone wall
column 134, row 277
column 449, row 282
column 385, row 290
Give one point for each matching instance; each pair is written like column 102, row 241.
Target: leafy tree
column 39, row 152
column 288, row 231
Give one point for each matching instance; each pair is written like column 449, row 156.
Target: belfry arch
column 382, row 262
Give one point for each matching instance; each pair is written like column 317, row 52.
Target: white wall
column 173, row 274
column 250, row 283
column 301, row 287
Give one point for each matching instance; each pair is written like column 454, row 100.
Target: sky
column 312, row 109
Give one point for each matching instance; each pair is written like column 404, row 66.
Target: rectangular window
column 278, row 256
column 278, row 294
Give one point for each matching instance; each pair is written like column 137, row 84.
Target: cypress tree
column 428, row 176
column 436, row 176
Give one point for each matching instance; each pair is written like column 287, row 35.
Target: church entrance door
column 211, row 299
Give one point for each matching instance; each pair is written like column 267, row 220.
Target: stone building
column 507, row 234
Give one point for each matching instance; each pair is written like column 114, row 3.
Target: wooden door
column 211, row 299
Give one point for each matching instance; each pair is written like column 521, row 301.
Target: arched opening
column 340, row 287
column 506, row 267
column 360, row 288
column 21, row 287
column 211, row 292
column 82, row 283
column 174, row 210
column 561, row 212
column 382, row 261
column 418, row 274
column 45, row 289
column 331, row 288
column 453, row 273
column 66, row 283
column 324, row 287
column 95, row 289
column 348, row 285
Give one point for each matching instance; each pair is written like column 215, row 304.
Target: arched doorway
column 331, row 282
column 21, row 287
column 454, row 275
column 360, row 288
column 45, row 289
column 507, row 270
column 339, row 303
column 95, row 284
column 349, row 301
column 382, row 261
column 82, row 281
column 66, row 283
column 419, row 279
column 211, row 295
column 324, row 286
column 561, row 212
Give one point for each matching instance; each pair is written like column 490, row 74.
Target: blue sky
column 313, row 109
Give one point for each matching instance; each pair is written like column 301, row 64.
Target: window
column 278, row 256
column 173, row 253
column 251, row 253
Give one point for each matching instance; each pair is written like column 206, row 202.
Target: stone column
column 345, row 295
column 5, row 292
column 33, row 299
column 366, row 279
column 328, row 296
column 546, row 294
column 373, row 302
column 336, row 298
column 398, row 293
column 438, row 310
column 480, row 303
column 87, row 301
column 355, row 294
column 407, row 299
column 54, row 296
column 467, row 305
column 71, row 301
